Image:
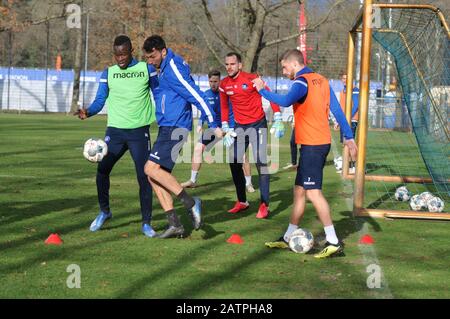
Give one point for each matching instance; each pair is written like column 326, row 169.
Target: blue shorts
column 208, row 139
column 311, row 164
column 168, row 146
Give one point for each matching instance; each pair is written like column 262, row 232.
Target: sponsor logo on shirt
column 244, row 86
column 128, row 75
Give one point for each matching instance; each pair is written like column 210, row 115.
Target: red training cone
column 235, row 239
column 367, row 240
column 53, row 239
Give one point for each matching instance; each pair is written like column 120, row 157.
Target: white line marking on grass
column 368, row 251
column 18, row 176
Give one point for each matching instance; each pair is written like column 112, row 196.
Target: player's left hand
column 352, row 148
column 278, row 126
column 258, row 83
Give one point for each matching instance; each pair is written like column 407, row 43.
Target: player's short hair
column 154, row 42
column 293, row 54
column 342, row 73
column 237, row 55
column 122, row 40
column 214, row 73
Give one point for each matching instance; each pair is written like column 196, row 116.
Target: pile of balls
column 422, row 201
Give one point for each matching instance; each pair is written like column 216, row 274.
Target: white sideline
column 368, row 251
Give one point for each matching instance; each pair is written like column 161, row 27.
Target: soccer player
column 126, row 88
column 355, row 115
column 251, row 128
column 208, row 139
column 174, row 97
column 312, row 98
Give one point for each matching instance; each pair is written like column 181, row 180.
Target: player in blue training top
column 208, row 139
column 174, row 98
column 126, row 88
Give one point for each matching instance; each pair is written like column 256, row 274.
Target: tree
column 254, row 15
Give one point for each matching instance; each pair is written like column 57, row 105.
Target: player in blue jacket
column 174, row 97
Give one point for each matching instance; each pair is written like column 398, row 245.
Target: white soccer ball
column 402, row 194
column 417, row 203
column 301, row 241
column 426, row 196
column 338, row 163
column 95, row 150
column 435, row 205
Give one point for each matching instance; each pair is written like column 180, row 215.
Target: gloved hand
column 228, row 139
column 278, row 126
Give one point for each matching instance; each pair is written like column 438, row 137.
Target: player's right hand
column 81, row 113
column 225, row 127
column 229, row 138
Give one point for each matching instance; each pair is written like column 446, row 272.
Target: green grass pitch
column 47, row 186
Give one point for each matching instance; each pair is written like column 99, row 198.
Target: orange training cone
column 235, row 239
column 367, row 240
column 53, row 239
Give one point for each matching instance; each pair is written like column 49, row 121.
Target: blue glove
column 278, row 126
column 228, row 139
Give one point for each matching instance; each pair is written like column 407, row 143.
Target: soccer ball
column 338, row 163
column 417, row 203
column 95, row 150
column 402, row 194
column 301, row 241
column 426, row 196
column 435, row 205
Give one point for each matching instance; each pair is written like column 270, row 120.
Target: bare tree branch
column 43, row 20
column 311, row 29
column 275, row 7
column 208, row 44
column 217, row 31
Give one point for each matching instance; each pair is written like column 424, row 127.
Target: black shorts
column 310, row 168
column 255, row 134
column 168, row 146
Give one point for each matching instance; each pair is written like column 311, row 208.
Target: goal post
column 402, row 30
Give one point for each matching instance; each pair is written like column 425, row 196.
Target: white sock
column 289, row 231
column 248, row 180
column 194, row 176
column 331, row 235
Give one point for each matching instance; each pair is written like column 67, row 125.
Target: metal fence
column 39, row 90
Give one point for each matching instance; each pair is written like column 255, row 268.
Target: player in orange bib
column 312, row 100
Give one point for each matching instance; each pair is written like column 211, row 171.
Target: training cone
column 235, row 239
column 53, row 239
column 366, row 240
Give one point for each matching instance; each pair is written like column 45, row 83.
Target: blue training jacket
column 213, row 99
column 176, row 92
